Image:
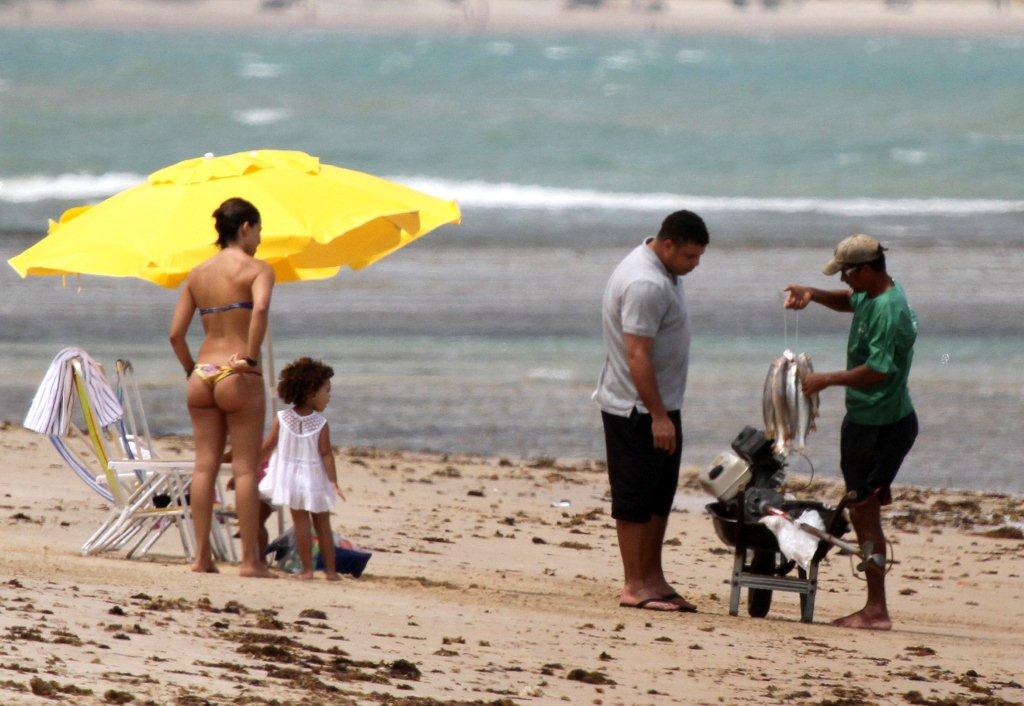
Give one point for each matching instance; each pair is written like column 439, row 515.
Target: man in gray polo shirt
column 647, row 344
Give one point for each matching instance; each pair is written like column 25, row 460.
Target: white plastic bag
column 794, row 543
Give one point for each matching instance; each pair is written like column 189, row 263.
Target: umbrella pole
column 268, row 372
column 270, row 383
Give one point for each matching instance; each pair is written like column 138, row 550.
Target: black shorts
column 643, row 478
column 871, row 455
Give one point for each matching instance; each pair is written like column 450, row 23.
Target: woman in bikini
column 225, row 390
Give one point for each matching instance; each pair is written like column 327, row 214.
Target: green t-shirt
column 882, row 336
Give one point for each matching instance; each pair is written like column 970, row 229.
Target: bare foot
column 333, row 576
column 205, row 568
column 257, row 572
column 865, row 620
column 304, row 576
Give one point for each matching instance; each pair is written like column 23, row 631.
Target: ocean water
column 563, row 152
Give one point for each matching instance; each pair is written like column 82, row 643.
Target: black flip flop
column 672, row 596
column 642, row 605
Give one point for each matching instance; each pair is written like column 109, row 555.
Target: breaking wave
column 481, row 194
column 262, row 116
column 69, row 187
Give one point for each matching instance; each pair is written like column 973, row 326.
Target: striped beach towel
column 50, row 412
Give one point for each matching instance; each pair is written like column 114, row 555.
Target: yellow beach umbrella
column 317, row 218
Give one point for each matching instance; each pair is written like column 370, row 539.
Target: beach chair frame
column 133, row 482
column 134, row 420
column 131, row 491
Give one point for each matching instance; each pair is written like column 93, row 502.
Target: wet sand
column 935, row 17
column 480, row 591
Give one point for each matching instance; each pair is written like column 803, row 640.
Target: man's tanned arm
column 861, row 376
column 799, row 297
column 641, row 370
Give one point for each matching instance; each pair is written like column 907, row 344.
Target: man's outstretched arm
column 799, row 296
column 861, row 376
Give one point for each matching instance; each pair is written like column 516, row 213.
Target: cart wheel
column 759, row 600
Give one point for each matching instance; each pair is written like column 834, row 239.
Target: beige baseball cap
column 857, row 249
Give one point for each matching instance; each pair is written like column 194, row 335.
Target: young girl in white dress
column 301, row 474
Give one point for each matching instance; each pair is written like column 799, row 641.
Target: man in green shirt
column 880, row 425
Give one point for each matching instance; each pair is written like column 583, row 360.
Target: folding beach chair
column 139, row 457
column 147, row 496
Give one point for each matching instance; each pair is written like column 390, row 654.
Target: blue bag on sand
column 346, row 560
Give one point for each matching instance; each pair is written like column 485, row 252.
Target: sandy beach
column 481, row 591
column 494, row 580
column 934, row 18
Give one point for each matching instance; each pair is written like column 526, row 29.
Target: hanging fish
column 768, row 401
column 807, row 412
column 788, row 413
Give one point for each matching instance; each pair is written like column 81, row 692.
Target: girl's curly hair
column 301, row 378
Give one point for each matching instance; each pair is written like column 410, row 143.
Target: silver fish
column 767, row 402
column 782, row 423
column 803, row 405
column 805, row 366
column 788, row 413
column 792, row 403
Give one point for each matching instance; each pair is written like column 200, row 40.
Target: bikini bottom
column 211, row 373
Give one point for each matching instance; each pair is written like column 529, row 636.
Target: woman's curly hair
column 301, row 378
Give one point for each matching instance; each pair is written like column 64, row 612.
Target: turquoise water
column 563, row 152
column 818, row 117
column 529, row 397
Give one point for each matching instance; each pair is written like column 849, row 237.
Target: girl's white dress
column 295, row 475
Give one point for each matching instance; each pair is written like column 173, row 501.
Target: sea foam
column 499, row 195
column 71, row 187
column 262, row 116
column 482, row 194
column 254, row 68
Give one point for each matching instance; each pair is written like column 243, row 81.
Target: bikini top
column 203, row 311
